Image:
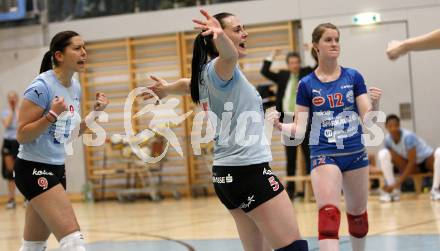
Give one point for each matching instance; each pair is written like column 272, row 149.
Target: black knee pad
column 299, row 245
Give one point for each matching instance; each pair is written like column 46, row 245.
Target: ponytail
column 46, row 63
column 199, row 59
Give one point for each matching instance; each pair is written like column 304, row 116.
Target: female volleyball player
column 242, row 177
column 335, row 96
column 46, row 120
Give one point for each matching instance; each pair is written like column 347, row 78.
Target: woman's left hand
column 101, row 102
column 375, row 94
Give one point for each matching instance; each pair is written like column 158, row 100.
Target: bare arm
column 296, row 129
column 180, row 87
column 162, row 88
column 427, row 41
column 366, row 104
column 31, row 122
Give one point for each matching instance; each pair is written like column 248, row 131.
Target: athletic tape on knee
column 329, row 221
column 73, row 242
column 298, row 245
column 358, row 225
column 33, row 246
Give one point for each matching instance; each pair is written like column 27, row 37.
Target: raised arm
column 429, row 41
column 7, row 120
column 265, row 68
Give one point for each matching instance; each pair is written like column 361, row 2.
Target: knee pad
column 33, row 246
column 73, row 242
column 298, row 245
column 329, row 221
column 358, row 225
column 437, row 153
column 384, row 154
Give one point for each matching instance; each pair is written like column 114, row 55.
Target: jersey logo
column 317, row 91
column 318, row 101
column 38, row 94
column 42, row 182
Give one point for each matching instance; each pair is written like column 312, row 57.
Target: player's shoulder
column 307, row 78
column 350, row 71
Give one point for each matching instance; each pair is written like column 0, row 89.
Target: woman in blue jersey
column 46, row 120
column 242, row 177
column 335, row 97
column 10, row 145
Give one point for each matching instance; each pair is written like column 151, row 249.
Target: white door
column 363, row 48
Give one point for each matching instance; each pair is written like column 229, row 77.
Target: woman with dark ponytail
column 50, row 104
column 242, row 178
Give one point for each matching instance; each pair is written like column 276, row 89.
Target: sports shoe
column 389, row 197
column 435, row 194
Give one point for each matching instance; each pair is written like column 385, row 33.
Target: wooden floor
column 206, row 218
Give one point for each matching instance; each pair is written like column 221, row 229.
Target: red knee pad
column 328, row 222
column 358, row 225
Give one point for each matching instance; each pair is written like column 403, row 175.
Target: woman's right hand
column 58, row 106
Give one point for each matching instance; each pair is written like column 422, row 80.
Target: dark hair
column 392, row 117
column 292, row 54
column 203, row 48
column 59, row 42
column 317, row 34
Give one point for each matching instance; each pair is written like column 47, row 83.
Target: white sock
column 73, row 242
column 386, row 166
column 357, row 244
column 436, row 178
column 33, row 246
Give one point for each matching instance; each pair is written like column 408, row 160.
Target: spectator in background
column 10, row 145
column 410, row 154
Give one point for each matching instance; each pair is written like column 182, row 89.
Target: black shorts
column 34, row 178
column 245, row 187
column 10, row 147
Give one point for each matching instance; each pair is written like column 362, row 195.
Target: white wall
column 22, row 37
column 17, row 70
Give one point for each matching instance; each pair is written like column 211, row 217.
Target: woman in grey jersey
column 47, row 117
column 242, row 177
